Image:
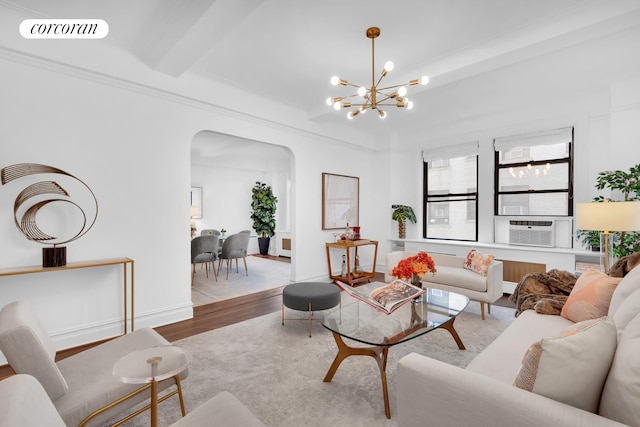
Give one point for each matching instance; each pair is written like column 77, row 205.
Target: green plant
column 402, row 213
column 628, row 184
column 590, row 239
column 263, row 209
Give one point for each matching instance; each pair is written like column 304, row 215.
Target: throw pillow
column 571, row 367
column 478, row 262
column 590, row 297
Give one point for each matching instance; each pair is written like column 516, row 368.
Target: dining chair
column 235, row 247
column 204, row 250
column 209, row 231
column 82, row 386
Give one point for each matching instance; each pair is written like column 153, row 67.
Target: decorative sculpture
column 40, row 194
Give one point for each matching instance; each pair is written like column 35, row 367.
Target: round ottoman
column 310, row 296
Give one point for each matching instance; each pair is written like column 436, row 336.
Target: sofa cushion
column 590, row 296
column 628, row 285
column 478, row 262
column 621, row 392
column 457, row 277
column 502, row 359
column 627, row 311
column 572, row 366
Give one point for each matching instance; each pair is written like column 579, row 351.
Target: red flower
column 419, row 264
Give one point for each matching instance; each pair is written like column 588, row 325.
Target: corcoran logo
column 64, row 29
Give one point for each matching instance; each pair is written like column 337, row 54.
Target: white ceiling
column 473, row 50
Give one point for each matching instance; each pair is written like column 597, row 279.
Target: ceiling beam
column 178, row 34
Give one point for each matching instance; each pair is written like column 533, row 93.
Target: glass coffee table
column 361, row 322
column 150, row 366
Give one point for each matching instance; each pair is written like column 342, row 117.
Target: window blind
column 450, row 152
column 548, row 137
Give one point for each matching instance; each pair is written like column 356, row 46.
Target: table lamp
column 607, row 217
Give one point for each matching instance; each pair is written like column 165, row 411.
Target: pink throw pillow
column 478, row 262
column 572, row 366
column 590, row 296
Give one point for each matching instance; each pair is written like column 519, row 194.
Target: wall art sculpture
column 64, row 207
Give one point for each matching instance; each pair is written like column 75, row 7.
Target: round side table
column 149, row 366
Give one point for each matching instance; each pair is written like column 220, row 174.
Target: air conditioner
column 532, row 232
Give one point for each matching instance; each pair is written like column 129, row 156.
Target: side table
column 347, row 245
column 151, row 365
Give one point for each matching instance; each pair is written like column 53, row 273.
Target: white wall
column 131, row 145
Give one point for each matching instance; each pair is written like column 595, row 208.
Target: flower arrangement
column 419, row 264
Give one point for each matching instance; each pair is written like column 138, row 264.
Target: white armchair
column 452, row 276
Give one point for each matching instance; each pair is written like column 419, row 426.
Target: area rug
column 263, row 274
column 277, row 370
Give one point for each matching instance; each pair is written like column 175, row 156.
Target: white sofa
column 453, row 277
column 24, row 403
column 483, row 394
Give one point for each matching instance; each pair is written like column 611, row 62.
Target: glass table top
column 154, row 363
column 361, row 322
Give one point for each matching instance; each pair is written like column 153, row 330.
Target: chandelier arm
column 350, row 96
column 393, row 87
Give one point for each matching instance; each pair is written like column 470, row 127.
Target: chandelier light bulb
column 362, row 91
column 336, row 106
column 382, row 114
column 409, row 105
column 402, row 91
column 388, row 66
column 424, row 80
column 329, row 101
column 363, row 109
column 335, row 80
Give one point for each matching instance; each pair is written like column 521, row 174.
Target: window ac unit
column 531, row 233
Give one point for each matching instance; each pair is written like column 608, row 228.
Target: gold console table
column 14, row 271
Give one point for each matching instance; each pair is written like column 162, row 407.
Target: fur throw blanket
column 547, row 292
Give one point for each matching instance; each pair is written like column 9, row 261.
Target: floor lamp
column 607, row 217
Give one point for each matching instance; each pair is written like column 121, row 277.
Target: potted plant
column 402, row 213
column 263, row 214
column 628, row 184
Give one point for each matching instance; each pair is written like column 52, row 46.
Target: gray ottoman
column 310, row 297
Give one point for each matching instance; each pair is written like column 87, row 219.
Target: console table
column 347, row 245
column 13, row 271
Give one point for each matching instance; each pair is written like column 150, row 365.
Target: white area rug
column 277, row 370
column 263, row 274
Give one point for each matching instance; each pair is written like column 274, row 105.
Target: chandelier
column 375, row 96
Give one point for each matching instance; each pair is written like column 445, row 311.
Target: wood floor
column 205, row 318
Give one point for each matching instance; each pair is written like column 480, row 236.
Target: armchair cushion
column 91, row 382
column 24, row 403
column 29, row 349
column 224, row 409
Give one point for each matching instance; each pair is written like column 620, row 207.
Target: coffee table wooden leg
column 378, row 353
column 449, row 327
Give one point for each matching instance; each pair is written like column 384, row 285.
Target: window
column 534, row 174
column 451, row 192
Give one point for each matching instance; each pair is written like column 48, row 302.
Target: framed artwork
column 340, row 201
column 196, row 202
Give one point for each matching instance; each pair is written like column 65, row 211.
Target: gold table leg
column 378, row 353
column 154, row 403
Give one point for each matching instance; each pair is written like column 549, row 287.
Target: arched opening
column 225, row 168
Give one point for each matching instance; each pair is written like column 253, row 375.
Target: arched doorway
column 225, row 168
